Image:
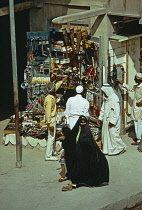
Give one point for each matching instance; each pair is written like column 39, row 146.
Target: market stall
column 63, row 50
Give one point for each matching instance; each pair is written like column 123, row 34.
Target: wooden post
column 127, row 58
column 15, row 85
column 125, row 109
column 100, row 72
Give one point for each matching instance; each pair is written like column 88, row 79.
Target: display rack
column 62, row 50
column 76, row 54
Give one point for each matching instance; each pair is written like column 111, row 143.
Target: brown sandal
column 124, row 150
column 67, row 188
column 62, row 179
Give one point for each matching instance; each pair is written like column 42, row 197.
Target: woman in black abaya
column 88, row 165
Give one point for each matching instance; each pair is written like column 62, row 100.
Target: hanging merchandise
column 65, row 34
column 41, row 70
column 72, row 37
column 37, row 72
column 31, row 49
column 96, row 55
column 24, row 85
column 64, row 50
column 78, row 40
column 84, row 34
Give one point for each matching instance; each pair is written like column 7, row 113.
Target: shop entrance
column 6, row 82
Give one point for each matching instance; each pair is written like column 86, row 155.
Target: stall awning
column 79, row 16
column 119, row 38
column 91, row 13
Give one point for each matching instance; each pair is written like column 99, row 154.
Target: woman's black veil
column 91, row 166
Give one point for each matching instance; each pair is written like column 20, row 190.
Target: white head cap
column 107, row 89
column 139, row 76
column 79, row 89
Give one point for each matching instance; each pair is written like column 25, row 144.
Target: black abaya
column 85, row 162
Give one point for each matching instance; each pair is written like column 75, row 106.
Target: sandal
column 124, row 150
column 62, row 179
column 67, row 188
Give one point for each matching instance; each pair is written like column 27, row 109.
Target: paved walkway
column 35, row 185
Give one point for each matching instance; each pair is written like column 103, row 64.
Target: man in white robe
column 136, row 111
column 76, row 106
column 111, row 122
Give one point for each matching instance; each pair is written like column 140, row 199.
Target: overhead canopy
column 91, row 13
column 79, row 16
column 124, row 14
column 120, row 38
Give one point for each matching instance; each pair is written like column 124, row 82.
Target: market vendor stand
column 62, row 51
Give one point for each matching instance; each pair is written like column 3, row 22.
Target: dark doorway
column 6, row 80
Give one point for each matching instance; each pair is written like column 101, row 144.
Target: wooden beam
column 90, row 13
column 124, row 14
column 17, row 8
column 79, row 16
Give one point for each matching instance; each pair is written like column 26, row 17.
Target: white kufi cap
column 79, row 89
column 139, row 76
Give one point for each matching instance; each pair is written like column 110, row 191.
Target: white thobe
column 110, row 112
column 75, row 107
column 136, row 112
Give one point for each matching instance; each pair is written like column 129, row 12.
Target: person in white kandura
column 76, row 106
column 111, row 122
column 136, row 112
